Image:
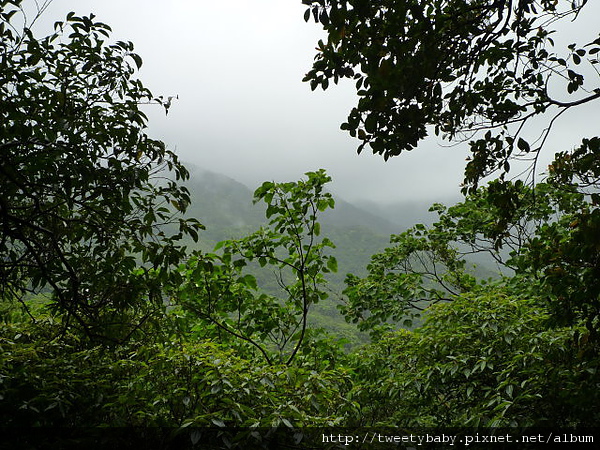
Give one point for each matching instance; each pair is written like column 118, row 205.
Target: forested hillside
column 147, row 304
column 226, row 208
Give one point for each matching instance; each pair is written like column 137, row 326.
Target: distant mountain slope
column 347, row 215
column 225, row 207
column 221, row 204
column 220, row 201
column 405, row 214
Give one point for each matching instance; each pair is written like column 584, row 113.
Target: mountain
column 405, row 214
column 224, row 206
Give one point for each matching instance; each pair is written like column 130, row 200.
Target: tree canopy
column 486, row 72
column 92, row 249
column 476, row 71
column 85, row 191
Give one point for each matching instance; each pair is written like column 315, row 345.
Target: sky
column 243, row 110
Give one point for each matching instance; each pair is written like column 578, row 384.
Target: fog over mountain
column 223, row 202
column 243, row 110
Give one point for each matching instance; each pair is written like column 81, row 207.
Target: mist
column 243, row 110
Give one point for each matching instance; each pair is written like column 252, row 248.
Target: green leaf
column 137, row 59
column 523, row 145
column 218, row 423
column 332, row 264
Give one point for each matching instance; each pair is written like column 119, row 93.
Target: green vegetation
column 109, row 320
column 80, row 203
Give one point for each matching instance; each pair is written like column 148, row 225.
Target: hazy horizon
column 243, row 110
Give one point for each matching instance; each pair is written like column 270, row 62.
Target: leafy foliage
column 483, row 72
column 519, row 350
column 198, row 384
column 567, row 254
column 85, row 191
column 219, row 292
column 484, row 360
column 540, row 242
column 473, row 70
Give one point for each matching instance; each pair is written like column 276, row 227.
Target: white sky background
column 243, row 110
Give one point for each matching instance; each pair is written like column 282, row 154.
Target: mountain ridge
column 221, row 201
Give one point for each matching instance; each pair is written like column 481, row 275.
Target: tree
column 566, row 254
column 483, row 361
column 85, row 191
column 540, row 249
column 220, row 291
column 482, row 71
column 470, row 70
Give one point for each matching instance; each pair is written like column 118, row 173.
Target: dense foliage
column 470, row 70
column 218, row 293
column 109, row 321
column 485, row 360
column 80, row 204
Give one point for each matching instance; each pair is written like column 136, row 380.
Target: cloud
column 243, row 110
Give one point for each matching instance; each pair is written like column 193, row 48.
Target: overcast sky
column 243, row 110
